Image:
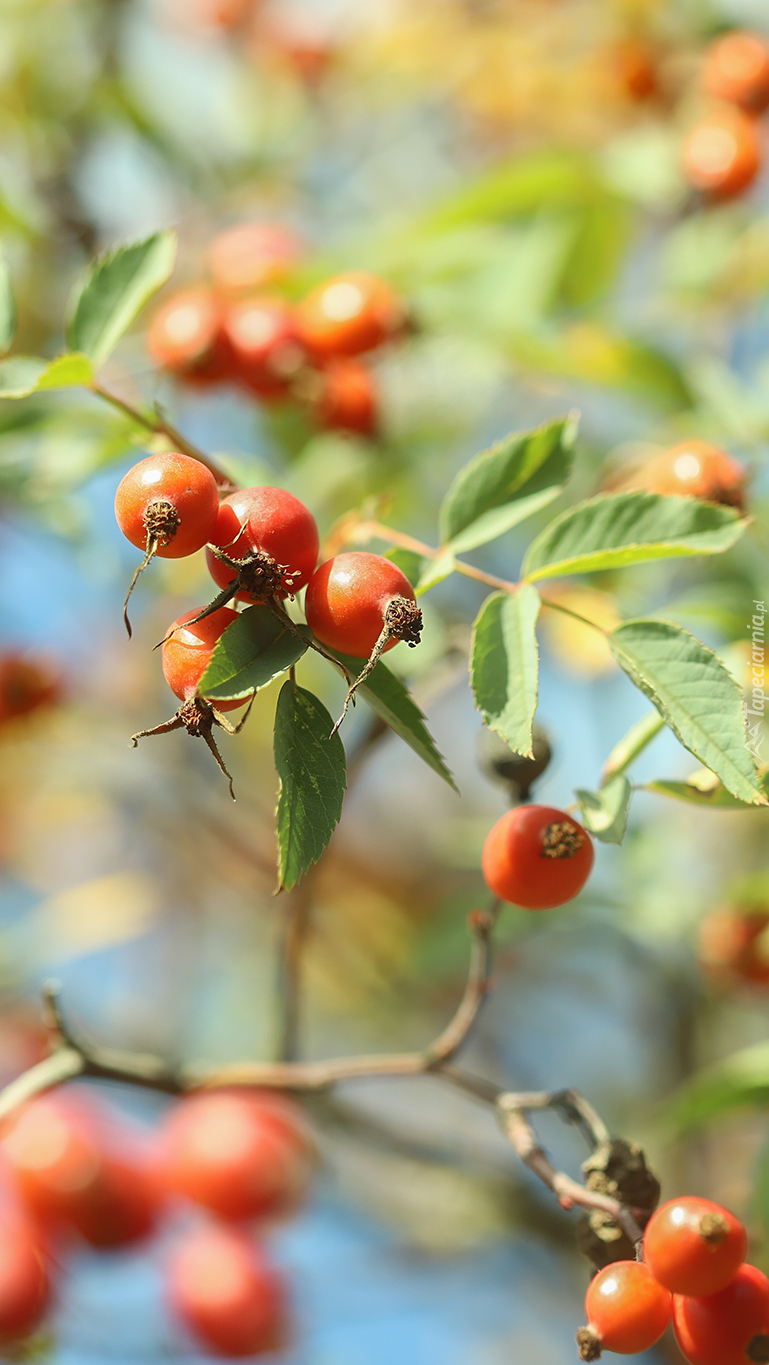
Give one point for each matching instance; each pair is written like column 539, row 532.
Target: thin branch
column 159, row 426
column 74, row 1056
column 567, row 611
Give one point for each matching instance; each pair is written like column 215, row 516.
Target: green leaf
column 519, row 186
column 8, row 317
column 116, row 289
column 435, row 571
column 21, row 375
column 312, row 770
column 632, row 744
column 697, row 696
column 702, row 789
column 252, row 651
column 504, row 485
column 391, row 700
column 740, row 1081
column 616, row 529
column 605, row 812
column 504, row 665
column 408, row 561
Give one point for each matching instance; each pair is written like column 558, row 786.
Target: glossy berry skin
column 696, row 469
column 250, row 255
column 239, row 1155
column 626, row 1308
column 348, row 399
column 721, row 155
column 537, row 857
column 25, row 1290
column 264, row 343
column 185, row 338
column 719, row 1329
column 734, row 946
column 224, row 1291
column 186, row 484
column 694, row 1246
column 736, row 70
column 77, row 1173
column 275, row 522
column 347, row 598
column 187, row 652
column 348, row 315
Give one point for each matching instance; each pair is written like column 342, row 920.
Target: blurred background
column 513, row 169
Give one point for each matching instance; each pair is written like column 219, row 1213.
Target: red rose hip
column 694, row 1246
column 348, row 315
column 170, row 498
column 729, row 1328
column 348, row 597
column 224, row 1291
column 537, row 857
column 627, row 1311
column 275, row 523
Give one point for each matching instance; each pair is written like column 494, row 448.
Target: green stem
column 631, row 745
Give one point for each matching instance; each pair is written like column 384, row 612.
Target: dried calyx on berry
column 499, row 763
column 618, row 1169
column 402, row 621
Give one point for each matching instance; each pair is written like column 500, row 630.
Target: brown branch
column 159, row 426
column 74, row 1056
column 512, row 1115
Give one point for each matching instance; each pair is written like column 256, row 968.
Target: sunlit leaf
column 616, row 529
column 702, row 789
column 21, row 375
column 697, row 696
column 312, row 769
column 504, row 665
column 605, row 812
column 250, row 653
column 409, row 562
column 502, row 486
column 115, row 290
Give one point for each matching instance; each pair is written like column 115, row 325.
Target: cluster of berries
column 239, row 329
column 222, row 1168
column 722, row 153
column 262, row 545
column 693, row 1272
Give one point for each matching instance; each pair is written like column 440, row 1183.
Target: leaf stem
column 567, row 611
column 159, row 426
column 376, row 530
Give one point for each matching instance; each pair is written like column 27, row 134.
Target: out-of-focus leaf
column 504, row 665
column 738, row 1082
column 616, row 529
column 605, row 812
column 597, row 252
column 8, row 317
column 696, row 694
column 391, row 700
column 21, row 375
column 250, row 653
column 116, row 289
column 557, row 178
column 312, row 769
column 96, row 915
column 590, row 351
column 502, row 486
column 409, row 562
column 632, row 744
column 702, row 789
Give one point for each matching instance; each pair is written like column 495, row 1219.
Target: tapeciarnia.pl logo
column 756, row 702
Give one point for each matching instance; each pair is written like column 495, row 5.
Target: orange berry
column 694, row 1246
column 721, row 155
column 736, row 69
column 537, row 857
column 627, row 1310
